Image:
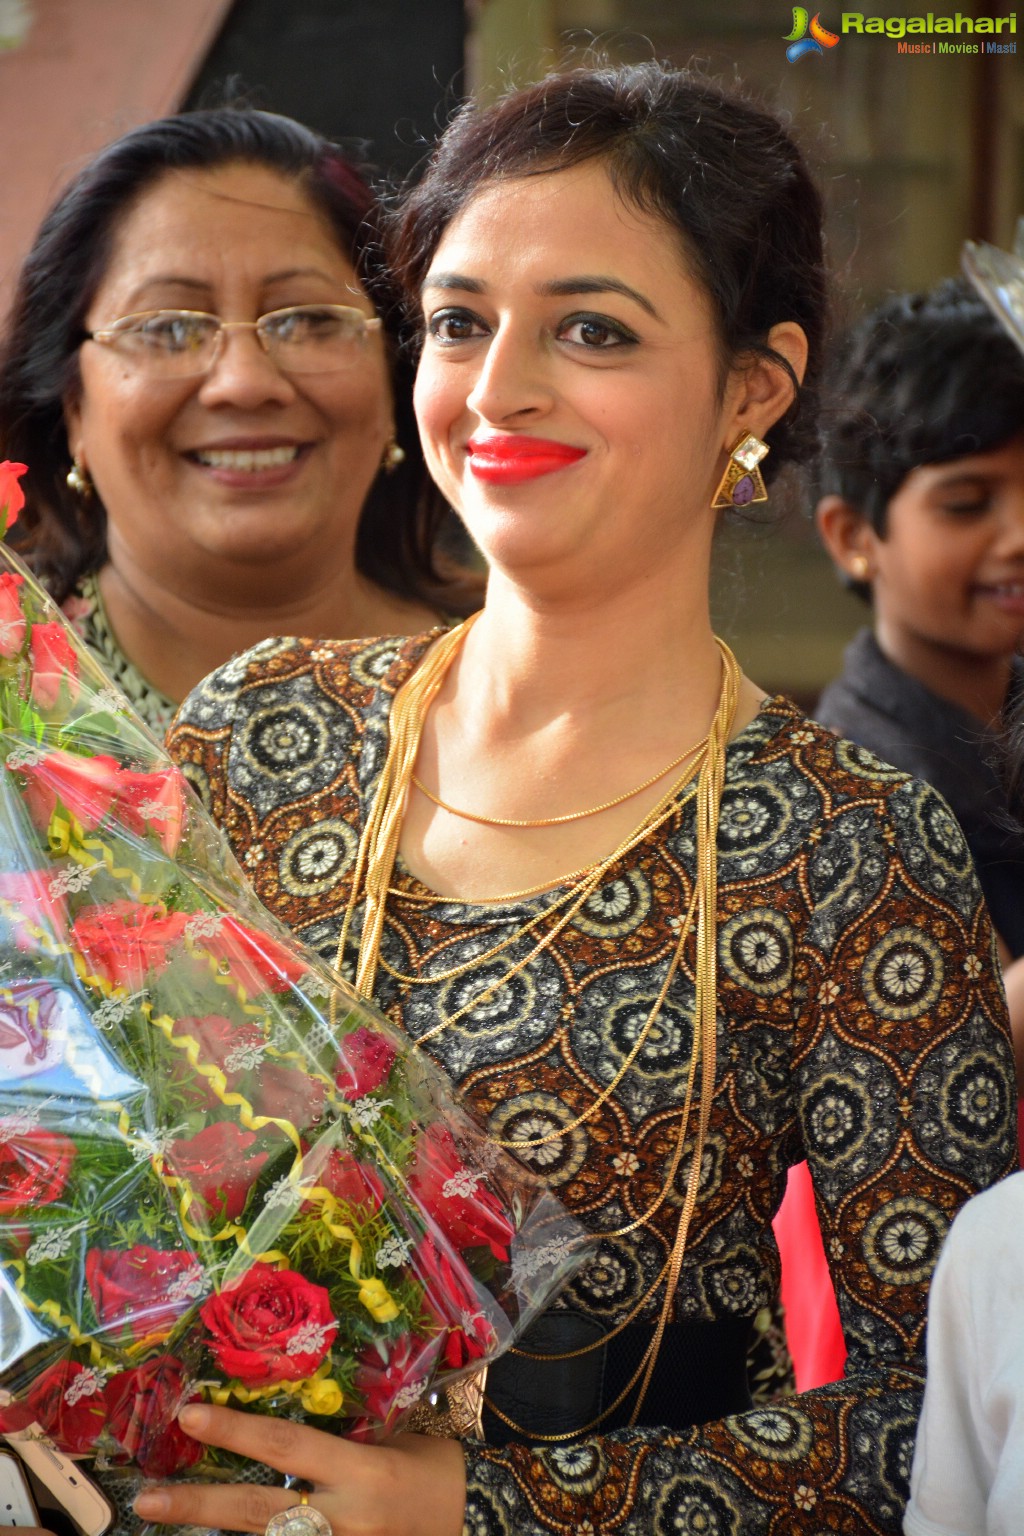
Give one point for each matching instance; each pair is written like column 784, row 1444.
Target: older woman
column 217, row 425
column 667, row 935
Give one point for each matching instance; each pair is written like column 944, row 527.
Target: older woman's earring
column 394, row 454
column 78, row 480
column 859, row 567
column 742, row 483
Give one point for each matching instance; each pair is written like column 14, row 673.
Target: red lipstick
column 512, row 460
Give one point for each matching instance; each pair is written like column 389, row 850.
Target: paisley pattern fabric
column 861, row 1024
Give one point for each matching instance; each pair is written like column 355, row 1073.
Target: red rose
column 219, row 1167
column 217, row 1037
column 367, row 1057
column 142, row 1288
column 451, row 1299
column 393, row 1374
column 273, row 1325
column 91, row 788
column 29, row 893
column 123, row 941
column 152, row 802
column 143, row 1406
column 465, row 1210
column 67, row 1402
column 289, row 1094
column 352, row 1183
column 255, row 960
column 34, row 1166
column 83, row 785
column 12, row 616
column 54, row 664
column 12, row 497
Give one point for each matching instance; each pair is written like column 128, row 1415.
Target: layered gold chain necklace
column 375, row 861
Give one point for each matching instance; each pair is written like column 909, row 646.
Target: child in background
column 922, row 511
column 968, row 1472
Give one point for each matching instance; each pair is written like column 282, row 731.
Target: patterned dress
column 861, row 1024
column 85, row 612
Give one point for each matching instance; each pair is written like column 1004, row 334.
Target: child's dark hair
column 925, row 378
column 723, row 173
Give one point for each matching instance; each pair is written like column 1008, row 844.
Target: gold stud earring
column 394, row 454
column 859, row 567
column 79, row 481
column 742, row 483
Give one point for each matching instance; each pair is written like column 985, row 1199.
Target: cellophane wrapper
column 223, row 1175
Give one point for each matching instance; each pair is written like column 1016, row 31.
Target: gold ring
column 301, row 1520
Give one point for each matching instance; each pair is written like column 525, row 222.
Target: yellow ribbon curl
column 66, row 837
column 318, row 1393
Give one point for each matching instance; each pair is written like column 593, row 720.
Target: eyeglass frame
column 109, row 335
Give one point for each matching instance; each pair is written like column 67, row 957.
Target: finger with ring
column 301, row 1520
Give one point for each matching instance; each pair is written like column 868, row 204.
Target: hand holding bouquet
column 222, row 1175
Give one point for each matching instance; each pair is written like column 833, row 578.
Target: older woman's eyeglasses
column 183, row 343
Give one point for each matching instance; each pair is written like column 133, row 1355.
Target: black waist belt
column 700, row 1375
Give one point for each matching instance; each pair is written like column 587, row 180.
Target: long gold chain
column 384, row 823
column 605, row 1093
column 708, row 801
column 578, row 893
column 560, row 821
column 408, row 711
column 378, row 845
column 665, row 809
column 375, row 861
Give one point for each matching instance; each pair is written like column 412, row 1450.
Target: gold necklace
column 665, row 809
column 379, row 843
column 560, row 821
column 583, row 884
column 705, row 978
column 375, row 860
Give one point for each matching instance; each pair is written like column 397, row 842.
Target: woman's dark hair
column 720, row 171
column 63, row 537
column 925, row 378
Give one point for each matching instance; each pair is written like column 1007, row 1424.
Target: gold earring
column 859, row 567
column 394, row 454
column 79, row 481
column 742, row 483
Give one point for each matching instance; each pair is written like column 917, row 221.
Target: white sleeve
column 958, row 1444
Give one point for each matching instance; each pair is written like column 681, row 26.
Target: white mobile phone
column 16, row 1503
column 74, row 1491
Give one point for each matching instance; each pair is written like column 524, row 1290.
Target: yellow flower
column 377, row 1299
column 322, row 1397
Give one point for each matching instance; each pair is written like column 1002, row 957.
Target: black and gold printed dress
column 861, row 1024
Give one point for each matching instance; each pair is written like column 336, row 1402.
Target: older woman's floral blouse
column 86, row 613
column 861, row 1024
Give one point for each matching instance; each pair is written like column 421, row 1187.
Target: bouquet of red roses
column 222, row 1174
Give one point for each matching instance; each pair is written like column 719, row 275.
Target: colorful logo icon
column 800, row 42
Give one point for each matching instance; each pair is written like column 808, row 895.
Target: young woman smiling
column 667, row 936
